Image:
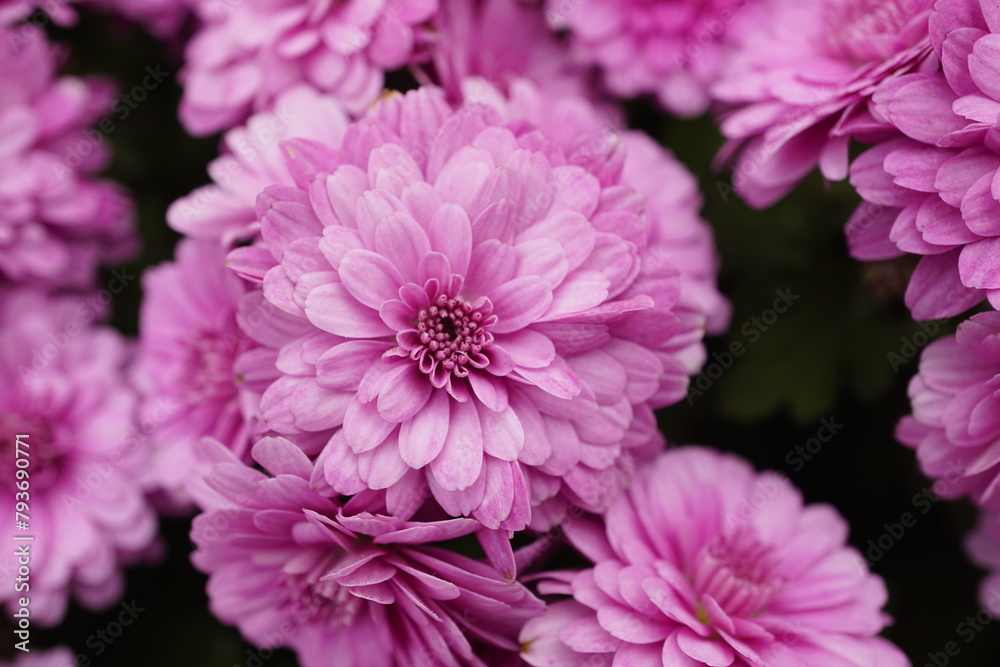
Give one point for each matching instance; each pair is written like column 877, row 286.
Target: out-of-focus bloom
column 955, row 423
column 62, row 384
column 247, row 53
column 799, row 81
column 12, row 11
column 931, row 192
column 983, row 547
column 163, row 18
column 705, row 562
column 291, row 566
column 57, row 657
column 198, row 371
column 482, row 309
column 673, row 50
column 500, row 41
column 57, row 223
column 252, row 160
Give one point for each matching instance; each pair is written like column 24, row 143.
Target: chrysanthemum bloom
column 163, row 18
column 956, row 417
column 252, row 160
column 247, row 53
column 703, row 561
column 57, row 657
column 930, row 193
column 673, row 50
column 983, row 547
column 57, row 223
column 198, row 371
column 800, row 80
column 62, row 384
column 500, row 41
column 291, row 566
column 60, row 11
column 482, row 301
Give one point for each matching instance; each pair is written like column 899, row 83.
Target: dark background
column 826, row 358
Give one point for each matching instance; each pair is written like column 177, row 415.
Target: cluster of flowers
column 398, row 320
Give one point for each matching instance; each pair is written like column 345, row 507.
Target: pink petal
column 405, row 395
column 332, row 308
column 519, row 302
column 369, row 277
column 461, row 458
column 422, row 437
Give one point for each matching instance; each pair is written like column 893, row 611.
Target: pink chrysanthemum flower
column 703, row 561
column 247, row 53
column 983, row 547
column 931, row 193
column 482, row 306
column 252, row 160
column 62, row 383
column 12, row 11
column 673, row 50
column 799, row 82
column 290, row 566
column 57, row 657
column 57, row 223
column 955, row 423
column 500, row 41
column 198, row 371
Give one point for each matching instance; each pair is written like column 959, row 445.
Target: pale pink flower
column 703, row 561
column 673, row 50
column 799, row 80
column 63, row 384
column 931, row 191
column 198, row 371
column 290, row 565
column 482, row 309
column 252, row 159
column 955, row 423
column 57, row 223
column 247, row 53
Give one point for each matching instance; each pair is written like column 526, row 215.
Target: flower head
column 62, row 384
column 673, row 50
column 252, row 160
column 705, row 562
column 57, row 224
column 480, row 302
column 798, row 83
column 247, row 54
column 57, row 657
column 929, row 191
column 187, row 371
column 291, row 566
column 954, row 425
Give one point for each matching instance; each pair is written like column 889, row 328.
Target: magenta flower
column 673, row 50
column 799, row 79
column 705, row 562
column 956, row 417
column 57, row 657
column 290, row 566
column 252, row 160
column 930, row 193
column 500, row 41
column 983, row 547
column 187, row 370
column 57, row 223
column 62, row 384
column 247, row 53
column 483, row 311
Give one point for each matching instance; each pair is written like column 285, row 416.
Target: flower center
column 872, row 30
column 449, row 336
column 38, row 449
column 738, row 572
